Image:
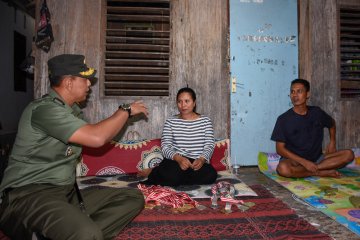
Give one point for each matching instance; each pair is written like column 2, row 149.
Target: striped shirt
column 189, row 138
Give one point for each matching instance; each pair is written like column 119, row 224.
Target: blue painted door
column 264, row 60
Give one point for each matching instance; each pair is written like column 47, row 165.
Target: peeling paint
column 266, row 51
column 267, row 26
column 268, row 39
column 267, row 61
column 252, row 1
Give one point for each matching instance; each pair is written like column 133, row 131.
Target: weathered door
column 264, row 60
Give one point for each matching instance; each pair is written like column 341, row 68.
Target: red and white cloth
column 165, row 195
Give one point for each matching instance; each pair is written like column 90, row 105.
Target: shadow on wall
column 6, row 143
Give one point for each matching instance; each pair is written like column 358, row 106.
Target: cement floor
column 251, row 175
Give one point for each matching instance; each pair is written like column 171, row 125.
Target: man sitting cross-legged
column 299, row 135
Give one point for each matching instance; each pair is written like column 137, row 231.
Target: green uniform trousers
column 54, row 212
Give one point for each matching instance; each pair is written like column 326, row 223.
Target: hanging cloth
column 44, row 35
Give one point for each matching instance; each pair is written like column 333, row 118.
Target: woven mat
column 269, row 218
column 194, row 191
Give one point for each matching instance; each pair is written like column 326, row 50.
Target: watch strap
column 126, row 107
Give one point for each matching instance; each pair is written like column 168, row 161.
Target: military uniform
column 38, row 184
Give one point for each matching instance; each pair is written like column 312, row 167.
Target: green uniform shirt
column 41, row 152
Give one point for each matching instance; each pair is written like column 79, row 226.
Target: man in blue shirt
column 299, row 135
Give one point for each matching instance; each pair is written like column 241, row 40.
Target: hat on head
column 70, row 64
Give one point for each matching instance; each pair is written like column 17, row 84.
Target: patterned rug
column 269, row 218
column 194, row 191
column 339, row 198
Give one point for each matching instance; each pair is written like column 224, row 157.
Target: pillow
column 268, row 161
column 119, row 157
column 134, row 155
column 356, row 162
column 220, row 159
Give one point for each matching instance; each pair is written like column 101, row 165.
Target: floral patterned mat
column 194, row 191
column 339, row 198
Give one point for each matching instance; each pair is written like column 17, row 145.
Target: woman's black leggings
column 169, row 173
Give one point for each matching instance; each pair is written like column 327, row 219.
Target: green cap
column 70, row 64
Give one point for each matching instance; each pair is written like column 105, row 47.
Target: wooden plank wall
column 199, row 58
column 318, row 60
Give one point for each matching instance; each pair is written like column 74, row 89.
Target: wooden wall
column 199, row 58
column 319, row 63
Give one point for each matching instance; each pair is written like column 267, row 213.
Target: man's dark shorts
column 322, row 157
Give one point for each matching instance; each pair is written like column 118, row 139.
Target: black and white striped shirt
column 189, row 138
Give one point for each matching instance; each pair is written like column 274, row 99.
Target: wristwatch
column 126, row 107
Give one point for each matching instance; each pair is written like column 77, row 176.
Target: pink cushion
column 132, row 156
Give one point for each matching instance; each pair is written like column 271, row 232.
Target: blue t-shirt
column 302, row 134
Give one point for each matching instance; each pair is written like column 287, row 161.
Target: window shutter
column 137, row 48
column 350, row 52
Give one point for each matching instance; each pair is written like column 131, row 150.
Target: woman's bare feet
column 144, row 173
column 329, row 173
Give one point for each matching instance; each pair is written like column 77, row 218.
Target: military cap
column 70, row 64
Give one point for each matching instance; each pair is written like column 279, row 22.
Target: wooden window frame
column 349, row 52
column 163, row 79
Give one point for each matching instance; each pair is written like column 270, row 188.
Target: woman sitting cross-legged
column 187, row 144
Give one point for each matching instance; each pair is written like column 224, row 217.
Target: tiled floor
column 251, row 175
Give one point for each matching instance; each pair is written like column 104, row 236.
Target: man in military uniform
column 38, row 193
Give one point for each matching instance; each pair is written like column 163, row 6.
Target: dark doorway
column 19, row 56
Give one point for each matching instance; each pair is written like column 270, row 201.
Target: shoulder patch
column 58, row 101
